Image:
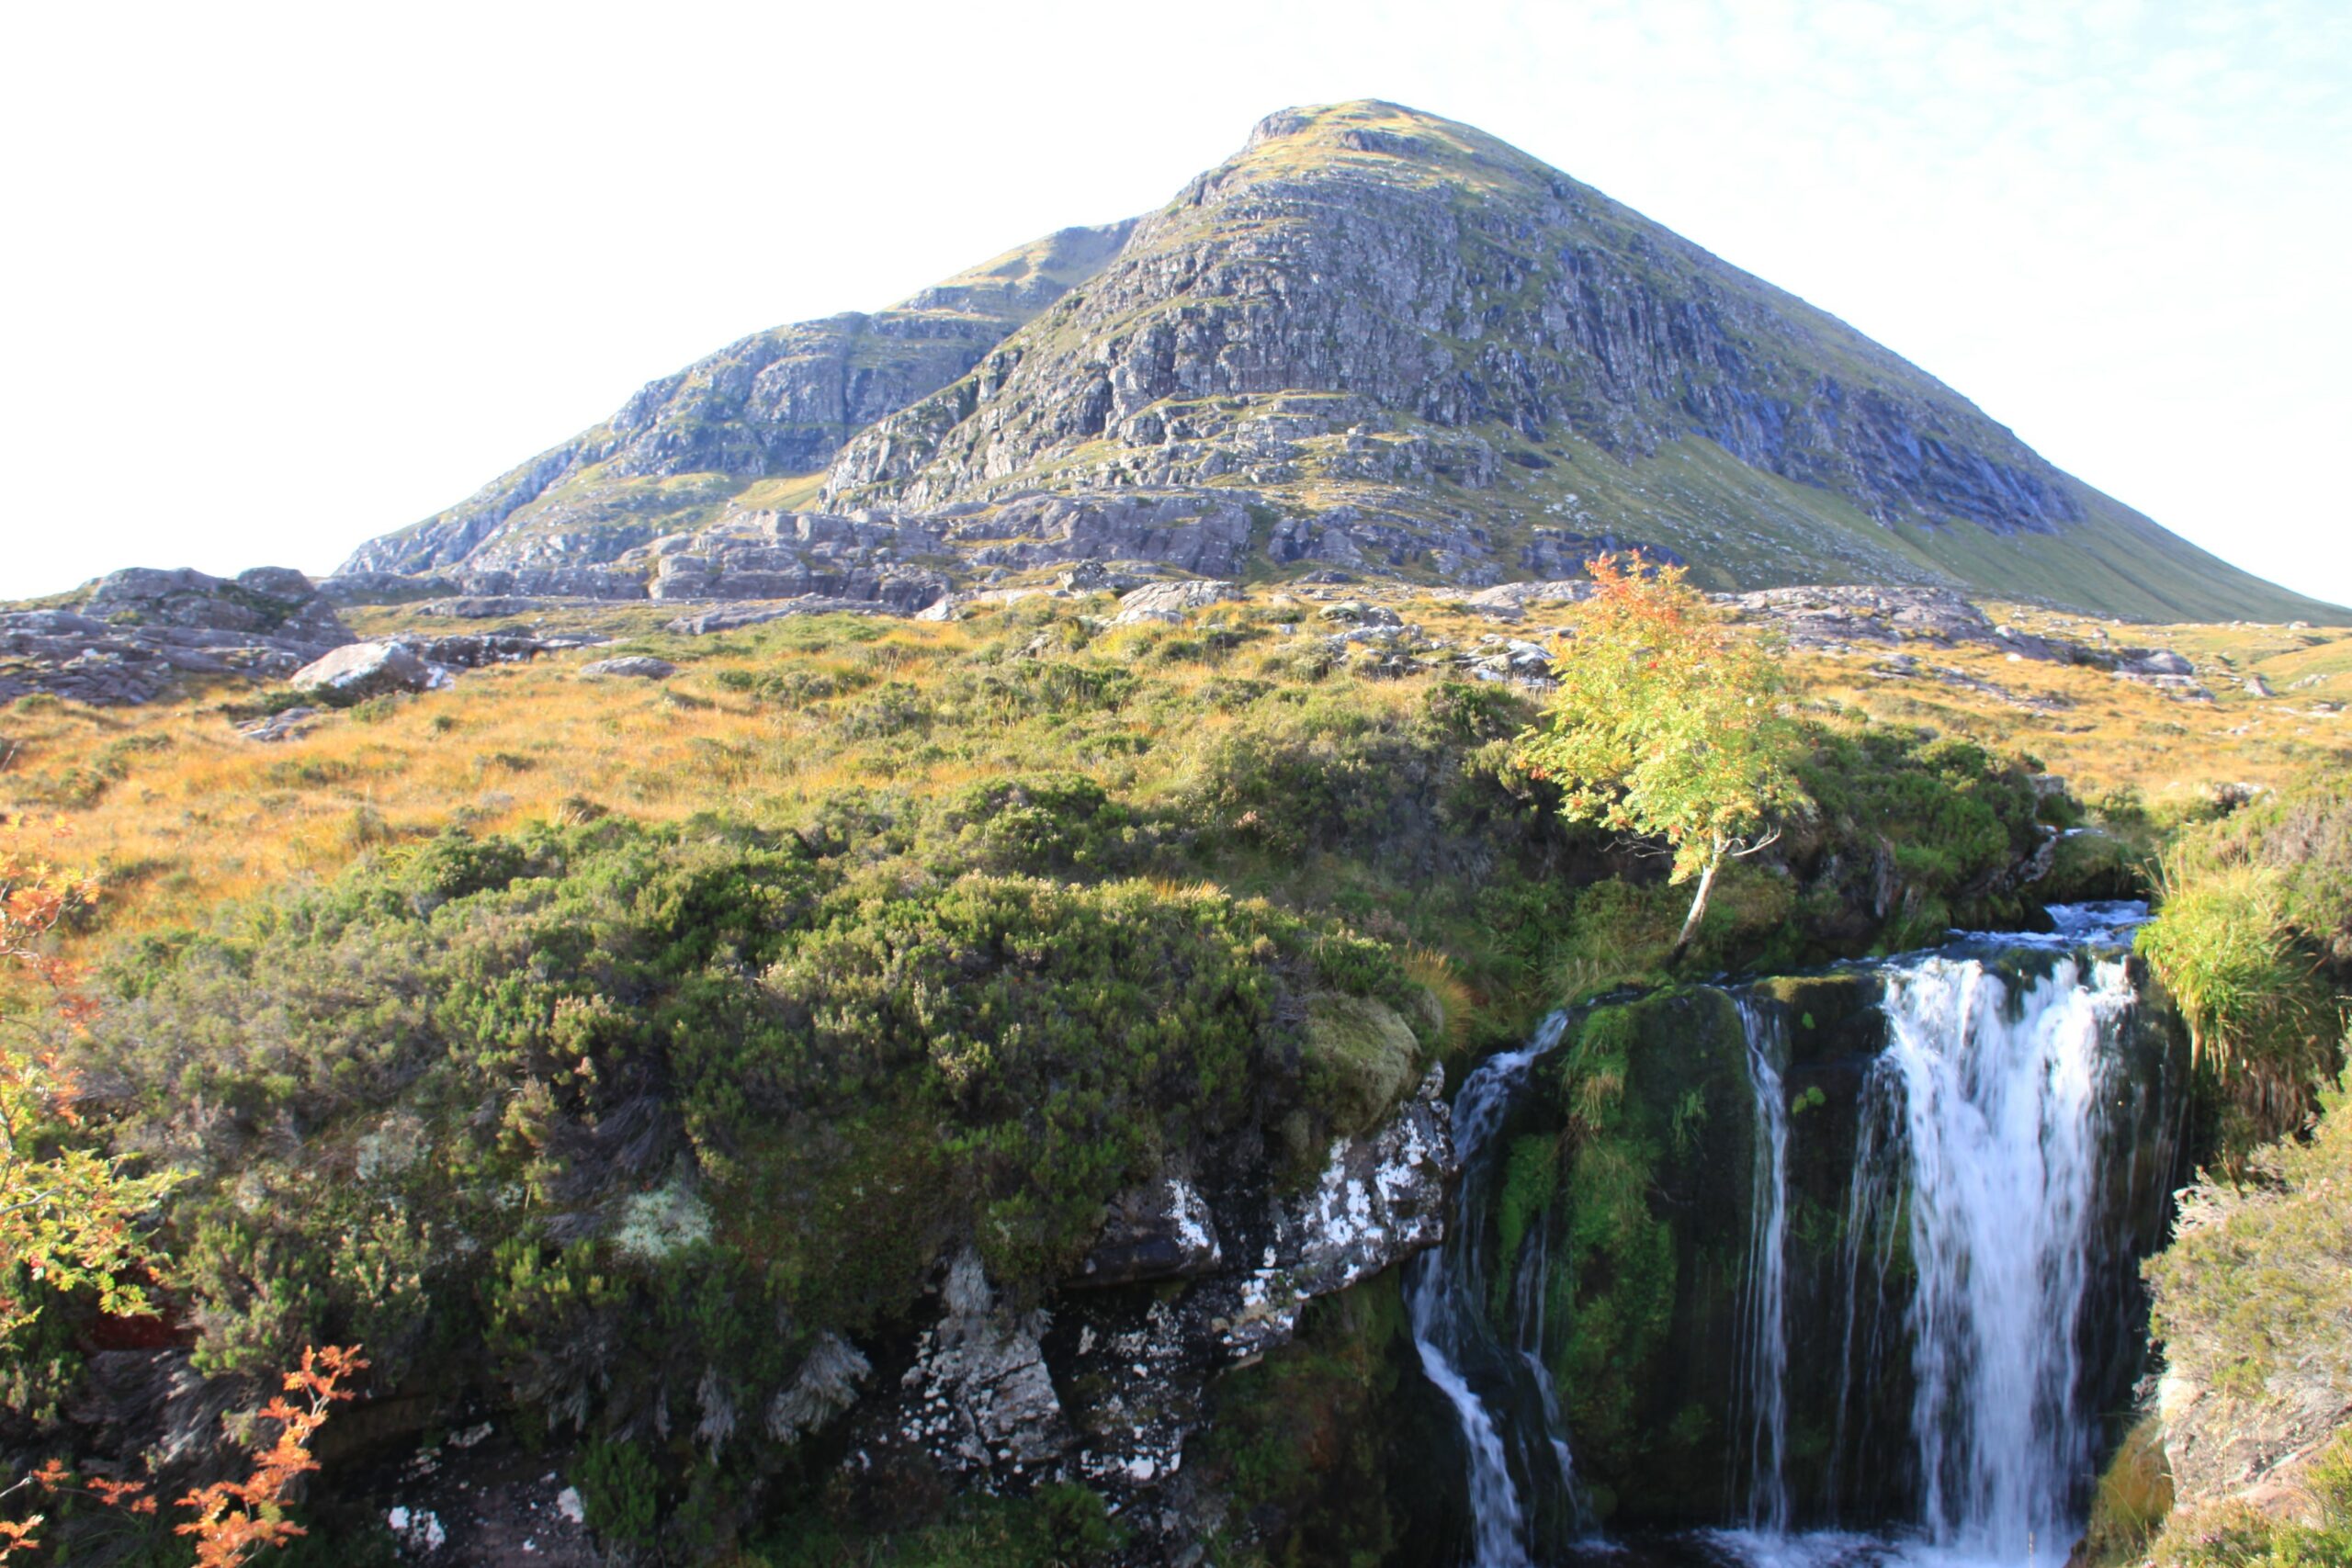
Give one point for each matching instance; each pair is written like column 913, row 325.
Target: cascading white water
column 1764, row 1338
column 1998, row 1096
column 1447, row 1292
column 1978, row 1230
column 1978, row 1167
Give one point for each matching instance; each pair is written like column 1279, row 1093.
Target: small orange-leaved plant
column 232, row 1518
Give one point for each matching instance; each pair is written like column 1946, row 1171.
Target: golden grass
column 177, row 813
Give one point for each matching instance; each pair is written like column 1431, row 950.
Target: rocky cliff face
column 780, row 402
column 1371, row 296
column 1379, row 339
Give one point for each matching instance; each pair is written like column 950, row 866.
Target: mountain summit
column 1371, row 339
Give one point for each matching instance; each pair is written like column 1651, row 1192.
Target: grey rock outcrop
column 773, row 555
column 742, row 616
column 1106, row 1380
column 140, row 631
column 1373, row 339
column 490, row 608
column 1336, row 246
column 1170, row 601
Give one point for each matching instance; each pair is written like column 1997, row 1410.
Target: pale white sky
column 276, row 278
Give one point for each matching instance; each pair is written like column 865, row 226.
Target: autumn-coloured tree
column 1667, row 724
column 68, row 1215
column 235, row 1516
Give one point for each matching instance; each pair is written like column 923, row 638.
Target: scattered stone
column 483, row 609
column 640, row 667
column 290, row 725
column 1357, row 612
column 475, row 650
column 711, row 621
column 419, row 1530
column 2256, row 686
column 1093, row 576
column 1509, row 601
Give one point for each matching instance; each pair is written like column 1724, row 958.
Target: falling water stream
column 1764, row 1336
column 1982, row 1147
column 1521, row 1480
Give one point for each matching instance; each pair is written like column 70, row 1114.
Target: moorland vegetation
column 472, row 1028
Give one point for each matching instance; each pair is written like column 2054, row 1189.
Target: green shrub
column 2258, row 1282
column 619, row 1491
column 683, row 1084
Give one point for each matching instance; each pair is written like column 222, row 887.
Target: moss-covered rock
column 1366, row 1053
column 1653, row 1118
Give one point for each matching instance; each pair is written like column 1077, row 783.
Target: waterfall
column 1764, row 1338
column 1520, row 1441
column 1966, row 1309
column 1997, row 1094
column 1979, row 1225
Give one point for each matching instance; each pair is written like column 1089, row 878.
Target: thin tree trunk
column 1698, row 907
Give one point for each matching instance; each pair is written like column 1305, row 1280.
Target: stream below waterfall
column 1948, row 1344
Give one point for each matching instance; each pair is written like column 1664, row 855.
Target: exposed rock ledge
column 140, row 631
column 1106, row 1380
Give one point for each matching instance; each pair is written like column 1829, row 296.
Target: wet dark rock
column 1107, row 1381
column 1164, row 1231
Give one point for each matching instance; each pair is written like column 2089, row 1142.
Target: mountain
column 777, row 404
column 1371, row 339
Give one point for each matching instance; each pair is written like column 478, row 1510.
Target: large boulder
column 363, row 670
column 1170, row 601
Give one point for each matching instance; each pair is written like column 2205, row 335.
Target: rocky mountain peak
column 1372, row 338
